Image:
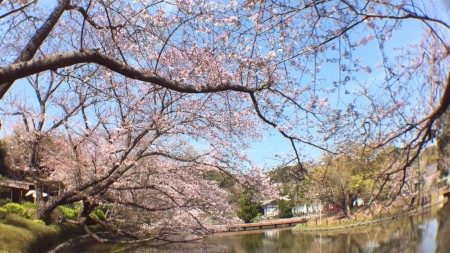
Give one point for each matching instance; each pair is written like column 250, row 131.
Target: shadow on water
column 428, row 232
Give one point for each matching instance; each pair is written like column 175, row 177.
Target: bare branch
column 36, row 41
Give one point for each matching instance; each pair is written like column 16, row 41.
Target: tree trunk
column 346, row 206
column 45, row 209
column 88, row 207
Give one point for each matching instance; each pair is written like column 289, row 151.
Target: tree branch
column 35, row 42
column 26, row 68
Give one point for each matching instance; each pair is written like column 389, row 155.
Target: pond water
column 428, row 232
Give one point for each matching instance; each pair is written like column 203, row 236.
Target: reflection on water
column 428, row 232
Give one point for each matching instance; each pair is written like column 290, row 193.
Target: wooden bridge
column 266, row 224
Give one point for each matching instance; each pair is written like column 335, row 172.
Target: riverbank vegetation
column 135, row 107
column 21, row 232
column 20, row 235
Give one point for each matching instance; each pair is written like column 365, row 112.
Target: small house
column 15, row 190
column 270, row 208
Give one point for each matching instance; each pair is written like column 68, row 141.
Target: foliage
column 342, row 179
column 4, row 201
column 68, row 213
column 39, row 222
column 16, row 209
column 26, row 209
column 19, row 235
column 285, row 208
column 248, row 208
column 287, row 174
column 31, row 208
column 4, row 165
column 3, row 189
column 224, row 180
column 15, row 239
column 29, row 205
column 293, row 183
column 98, row 214
column 3, row 212
column 257, row 218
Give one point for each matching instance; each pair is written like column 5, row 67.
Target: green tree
column 224, row 180
column 248, row 207
column 343, row 179
column 287, row 174
column 4, row 167
column 293, row 182
column 285, row 208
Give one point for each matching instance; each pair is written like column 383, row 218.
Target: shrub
column 39, row 222
column 77, row 205
column 19, row 235
column 68, row 213
column 4, row 201
column 16, row 209
column 97, row 214
column 106, row 208
column 31, row 208
column 257, row 218
column 3, row 212
column 285, row 208
column 29, row 205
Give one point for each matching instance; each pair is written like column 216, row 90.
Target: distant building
column 358, row 202
column 15, row 190
column 270, row 209
column 330, row 208
column 312, row 209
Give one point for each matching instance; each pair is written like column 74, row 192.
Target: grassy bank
column 21, row 235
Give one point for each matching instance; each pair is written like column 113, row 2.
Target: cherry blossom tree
column 109, row 148
column 170, row 87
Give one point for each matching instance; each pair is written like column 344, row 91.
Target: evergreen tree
column 285, row 208
column 248, row 208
